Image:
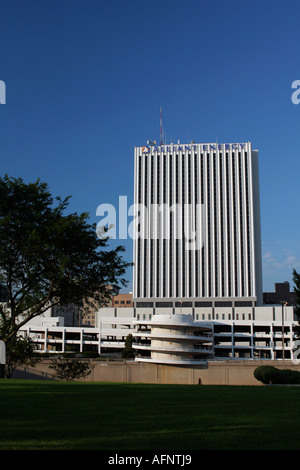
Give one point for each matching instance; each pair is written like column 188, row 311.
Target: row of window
column 222, row 241
column 207, row 316
column 223, row 316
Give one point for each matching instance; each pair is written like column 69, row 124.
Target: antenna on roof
column 161, row 129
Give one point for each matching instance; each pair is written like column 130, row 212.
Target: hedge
column 271, row 375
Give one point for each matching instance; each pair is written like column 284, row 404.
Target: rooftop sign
column 190, row 147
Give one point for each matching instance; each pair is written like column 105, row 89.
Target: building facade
column 197, row 276
column 122, row 300
column 173, row 338
column 282, row 294
column 198, row 231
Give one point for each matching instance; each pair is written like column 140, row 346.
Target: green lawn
column 43, row 415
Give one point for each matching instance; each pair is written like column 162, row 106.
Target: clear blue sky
column 85, row 81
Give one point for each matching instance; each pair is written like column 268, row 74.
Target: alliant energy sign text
column 195, row 147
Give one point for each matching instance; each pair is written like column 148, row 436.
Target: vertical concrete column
column 251, row 339
column 63, row 340
column 46, row 340
column 272, row 340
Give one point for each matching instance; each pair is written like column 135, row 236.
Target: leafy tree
column 20, row 351
column 267, row 374
column 49, row 257
column 271, row 375
column 128, row 351
column 296, row 279
column 70, row 369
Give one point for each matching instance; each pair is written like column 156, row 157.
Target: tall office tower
column 197, row 234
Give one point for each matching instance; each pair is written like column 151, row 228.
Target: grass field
column 40, row 415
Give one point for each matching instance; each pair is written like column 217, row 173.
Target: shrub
column 70, row 369
column 271, row 375
column 128, row 352
column 290, row 376
column 267, row 374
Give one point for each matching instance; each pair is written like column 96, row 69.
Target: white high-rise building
column 197, row 237
column 197, row 276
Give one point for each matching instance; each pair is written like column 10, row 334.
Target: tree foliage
column 296, row 279
column 271, row 375
column 48, row 256
column 20, row 351
column 128, row 351
column 70, row 369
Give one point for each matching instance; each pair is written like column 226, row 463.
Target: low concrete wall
column 215, row 373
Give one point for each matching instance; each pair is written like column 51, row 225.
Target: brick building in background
column 122, row 300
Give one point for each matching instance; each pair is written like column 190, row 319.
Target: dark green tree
column 70, row 369
column 48, row 256
column 296, row 279
column 20, row 351
column 128, row 351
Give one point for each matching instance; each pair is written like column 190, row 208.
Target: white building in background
column 197, row 252
column 198, row 234
column 197, row 278
column 173, row 338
